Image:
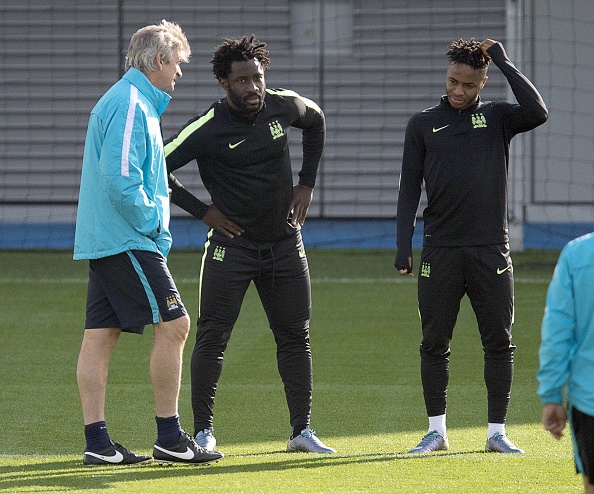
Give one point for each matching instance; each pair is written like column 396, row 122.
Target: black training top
column 463, row 157
column 245, row 164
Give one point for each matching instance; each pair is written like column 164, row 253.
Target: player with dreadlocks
column 460, row 149
column 242, row 150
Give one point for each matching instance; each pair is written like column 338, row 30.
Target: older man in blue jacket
column 567, row 353
column 122, row 228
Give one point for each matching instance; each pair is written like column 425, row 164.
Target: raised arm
column 532, row 110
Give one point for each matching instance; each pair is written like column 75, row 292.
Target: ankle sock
column 493, row 428
column 168, row 430
column 438, row 423
column 97, row 437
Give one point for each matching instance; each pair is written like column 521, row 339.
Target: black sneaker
column 185, row 451
column 115, row 454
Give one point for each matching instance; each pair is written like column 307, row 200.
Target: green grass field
column 365, row 335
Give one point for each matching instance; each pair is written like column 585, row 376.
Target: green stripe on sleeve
column 188, row 131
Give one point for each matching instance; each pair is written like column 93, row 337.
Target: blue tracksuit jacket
column 567, row 348
column 124, row 197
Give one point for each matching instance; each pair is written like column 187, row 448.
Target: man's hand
column 219, row 222
column 302, row 196
column 485, row 45
column 407, row 272
column 554, row 418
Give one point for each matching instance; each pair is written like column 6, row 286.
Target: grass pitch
column 368, row 404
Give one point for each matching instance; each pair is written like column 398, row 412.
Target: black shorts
column 130, row 290
column 582, row 436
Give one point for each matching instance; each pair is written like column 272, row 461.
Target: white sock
column 438, row 423
column 493, row 428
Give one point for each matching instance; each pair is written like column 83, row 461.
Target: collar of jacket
column 159, row 99
column 445, row 103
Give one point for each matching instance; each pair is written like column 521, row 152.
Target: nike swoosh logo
column 117, row 458
column 501, row 271
column 186, row 455
column 233, row 146
column 440, row 128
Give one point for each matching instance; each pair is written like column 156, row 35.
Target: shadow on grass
column 69, row 474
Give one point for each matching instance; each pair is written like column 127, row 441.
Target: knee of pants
column 504, row 354
column 212, row 335
column 293, row 347
column 435, row 348
column 293, row 334
column 498, row 343
column 437, row 335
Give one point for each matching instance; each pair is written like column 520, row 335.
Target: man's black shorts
column 130, row 290
column 582, row 435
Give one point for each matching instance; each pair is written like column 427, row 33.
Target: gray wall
column 369, row 63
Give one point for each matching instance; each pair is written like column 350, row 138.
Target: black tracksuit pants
column 485, row 274
column 280, row 273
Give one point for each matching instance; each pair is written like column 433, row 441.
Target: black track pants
column 485, row 274
column 280, row 273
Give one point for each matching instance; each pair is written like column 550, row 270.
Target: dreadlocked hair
column 468, row 52
column 238, row 50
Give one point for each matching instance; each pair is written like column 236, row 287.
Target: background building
column 370, row 64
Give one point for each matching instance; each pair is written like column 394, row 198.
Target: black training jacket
column 245, row 165
column 463, row 157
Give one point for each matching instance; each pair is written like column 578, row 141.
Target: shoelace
column 429, row 438
column 501, row 438
column 188, row 437
column 122, row 448
column 308, row 433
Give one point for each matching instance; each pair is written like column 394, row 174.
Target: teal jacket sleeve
column 558, row 334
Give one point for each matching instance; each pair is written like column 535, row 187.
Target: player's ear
column 484, row 81
column 224, row 84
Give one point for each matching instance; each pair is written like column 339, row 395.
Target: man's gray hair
column 166, row 38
